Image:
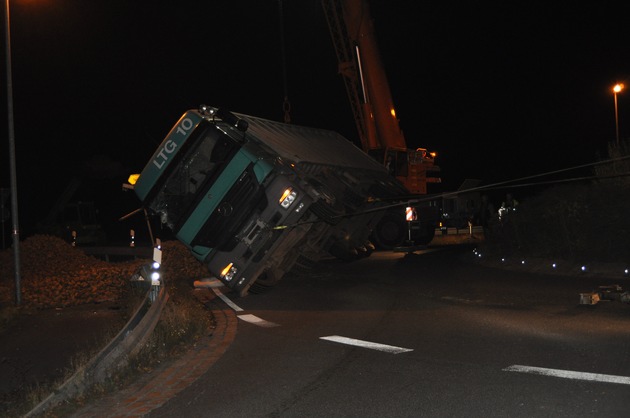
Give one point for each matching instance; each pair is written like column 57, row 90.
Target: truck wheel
column 366, row 250
column 264, row 282
column 391, row 231
column 305, row 263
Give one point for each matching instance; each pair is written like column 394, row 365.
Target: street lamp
column 616, row 89
column 14, row 203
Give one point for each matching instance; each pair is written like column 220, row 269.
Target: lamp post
column 14, row 203
column 616, row 89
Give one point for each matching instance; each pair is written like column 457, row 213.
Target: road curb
column 162, row 384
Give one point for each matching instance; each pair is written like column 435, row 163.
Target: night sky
column 500, row 91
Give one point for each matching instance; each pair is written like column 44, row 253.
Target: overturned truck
column 253, row 198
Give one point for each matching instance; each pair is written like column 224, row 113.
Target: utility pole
column 14, row 202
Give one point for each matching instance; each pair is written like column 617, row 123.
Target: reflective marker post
column 410, row 215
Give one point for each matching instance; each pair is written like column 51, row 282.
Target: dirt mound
column 55, row 274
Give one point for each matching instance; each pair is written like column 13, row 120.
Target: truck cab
column 224, row 196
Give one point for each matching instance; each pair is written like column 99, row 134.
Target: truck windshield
column 201, row 159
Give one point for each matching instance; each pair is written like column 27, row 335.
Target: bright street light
column 616, row 89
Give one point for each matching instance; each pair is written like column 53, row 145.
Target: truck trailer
column 253, row 198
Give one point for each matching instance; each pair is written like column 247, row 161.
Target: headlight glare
column 228, row 272
column 287, row 198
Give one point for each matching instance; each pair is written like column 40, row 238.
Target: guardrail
column 123, row 346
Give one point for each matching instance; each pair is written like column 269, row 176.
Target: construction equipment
column 605, row 293
column 381, row 137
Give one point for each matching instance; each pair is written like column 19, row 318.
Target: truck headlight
column 228, row 272
column 287, row 198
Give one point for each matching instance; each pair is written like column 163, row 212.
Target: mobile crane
column 381, row 137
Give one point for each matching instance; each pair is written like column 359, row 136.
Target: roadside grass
column 26, row 398
column 183, row 322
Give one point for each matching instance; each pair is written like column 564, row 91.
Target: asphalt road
column 44, row 346
column 423, row 334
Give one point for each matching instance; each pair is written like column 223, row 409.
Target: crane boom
column 352, row 32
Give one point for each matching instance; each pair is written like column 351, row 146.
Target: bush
column 581, row 221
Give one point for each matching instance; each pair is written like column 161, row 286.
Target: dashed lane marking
column 227, row 300
column 253, row 319
column 366, row 344
column 568, row 374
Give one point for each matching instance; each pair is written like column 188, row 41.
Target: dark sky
column 501, row 91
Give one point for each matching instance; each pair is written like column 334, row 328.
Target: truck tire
column 390, row 232
column 304, row 263
column 425, row 235
column 366, row 250
column 266, row 281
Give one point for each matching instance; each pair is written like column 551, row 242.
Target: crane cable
column 286, row 105
column 494, row 186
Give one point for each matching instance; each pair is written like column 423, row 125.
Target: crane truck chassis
column 253, row 198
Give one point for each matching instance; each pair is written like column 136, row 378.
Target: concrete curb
column 169, row 379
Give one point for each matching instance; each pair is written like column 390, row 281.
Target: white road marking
column 567, row 374
column 226, row 300
column 366, row 344
column 253, row 319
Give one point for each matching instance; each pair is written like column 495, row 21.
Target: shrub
column 581, row 221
